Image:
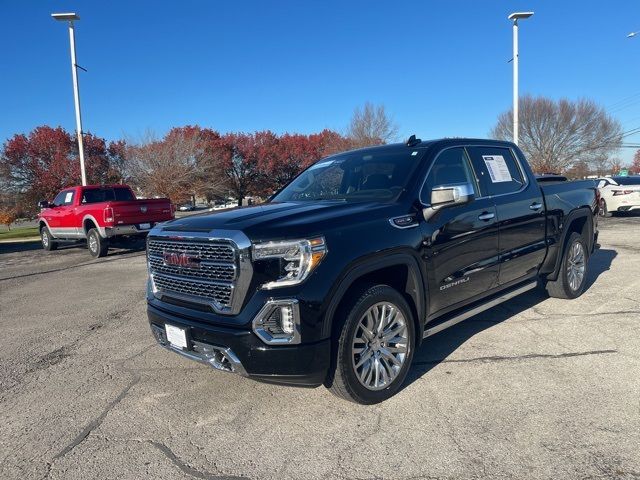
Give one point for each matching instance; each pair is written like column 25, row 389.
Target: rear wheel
column 48, row 243
column 375, row 347
column 98, row 246
column 603, row 211
column 573, row 270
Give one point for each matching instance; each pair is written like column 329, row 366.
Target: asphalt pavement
column 535, row 388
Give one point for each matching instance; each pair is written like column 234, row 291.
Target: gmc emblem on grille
column 180, row 259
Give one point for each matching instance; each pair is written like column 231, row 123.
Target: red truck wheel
column 48, row 243
column 98, row 246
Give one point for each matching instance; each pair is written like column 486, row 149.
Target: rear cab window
column 499, row 171
column 97, row 195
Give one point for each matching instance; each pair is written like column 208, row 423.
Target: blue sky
column 439, row 67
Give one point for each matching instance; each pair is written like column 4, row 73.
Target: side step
column 480, row 308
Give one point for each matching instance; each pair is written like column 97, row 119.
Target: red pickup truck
column 98, row 213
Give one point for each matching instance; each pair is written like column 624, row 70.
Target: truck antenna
column 413, row 141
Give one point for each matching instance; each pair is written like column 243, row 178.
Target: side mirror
column 448, row 196
column 44, row 204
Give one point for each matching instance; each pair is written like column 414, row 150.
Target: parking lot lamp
column 70, row 18
column 514, row 17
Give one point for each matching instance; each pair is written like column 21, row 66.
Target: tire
column 48, row 243
column 575, row 258
column 376, row 372
column 98, row 246
column 603, row 211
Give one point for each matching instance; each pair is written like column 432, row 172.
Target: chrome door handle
column 486, row 216
column 535, row 206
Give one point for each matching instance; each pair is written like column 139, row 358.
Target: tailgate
column 141, row 211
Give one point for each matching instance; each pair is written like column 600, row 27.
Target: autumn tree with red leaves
column 635, row 166
column 36, row 166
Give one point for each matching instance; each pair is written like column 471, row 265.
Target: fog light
column 278, row 322
column 286, row 319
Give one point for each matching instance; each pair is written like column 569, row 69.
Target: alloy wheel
column 380, row 346
column 576, row 266
column 93, row 244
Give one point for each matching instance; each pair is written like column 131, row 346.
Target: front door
column 460, row 241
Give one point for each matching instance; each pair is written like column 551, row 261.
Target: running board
column 480, row 308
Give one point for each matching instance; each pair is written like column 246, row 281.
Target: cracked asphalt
column 535, row 388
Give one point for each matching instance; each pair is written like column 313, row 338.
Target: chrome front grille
column 221, row 294
column 206, row 251
column 202, row 270
column 212, row 271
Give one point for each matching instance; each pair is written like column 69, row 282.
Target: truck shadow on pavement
column 117, row 248
column 436, row 349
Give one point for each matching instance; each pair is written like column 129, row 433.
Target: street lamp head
column 519, row 15
column 65, row 17
column 632, row 34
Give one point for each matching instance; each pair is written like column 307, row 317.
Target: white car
column 619, row 194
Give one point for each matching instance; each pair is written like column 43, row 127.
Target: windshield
column 355, row 176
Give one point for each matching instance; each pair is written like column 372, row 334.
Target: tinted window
column 96, row 195
column 634, row 180
column 498, row 168
column 361, row 175
column 451, row 167
column 59, row 200
column 65, row 197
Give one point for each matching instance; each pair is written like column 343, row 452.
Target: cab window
column 498, row 169
column 65, row 197
column 451, row 167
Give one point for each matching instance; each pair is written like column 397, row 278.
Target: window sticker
column 497, row 167
column 67, row 197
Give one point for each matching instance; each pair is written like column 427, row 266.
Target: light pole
column 70, row 17
column 515, row 17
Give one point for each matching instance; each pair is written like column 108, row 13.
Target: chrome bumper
column 220, row 358
column 124, row 230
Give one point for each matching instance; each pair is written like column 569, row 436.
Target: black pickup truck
column 341, row 275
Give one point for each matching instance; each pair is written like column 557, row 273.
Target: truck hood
column 284, row 220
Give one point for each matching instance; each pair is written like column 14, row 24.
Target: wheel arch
column 400, row 271
column 89, row 222
column 579, row 221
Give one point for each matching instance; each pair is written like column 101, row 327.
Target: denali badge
column 180, row 259
column 453, row 284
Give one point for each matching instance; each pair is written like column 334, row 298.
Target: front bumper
column 241, row 351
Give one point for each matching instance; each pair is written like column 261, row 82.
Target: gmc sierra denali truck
column 99, row 214
column 338, row 278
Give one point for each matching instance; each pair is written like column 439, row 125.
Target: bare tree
column 371, row 125
column 556, row 135
column 176, row 166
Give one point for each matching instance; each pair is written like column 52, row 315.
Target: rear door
column 520, row 211
column 461, row 241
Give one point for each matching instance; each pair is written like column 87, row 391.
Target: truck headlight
column 298, row 259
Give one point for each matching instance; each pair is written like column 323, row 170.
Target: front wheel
column 375, row 347
column 48, row 243
column 572, row 277
column 98, row 246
